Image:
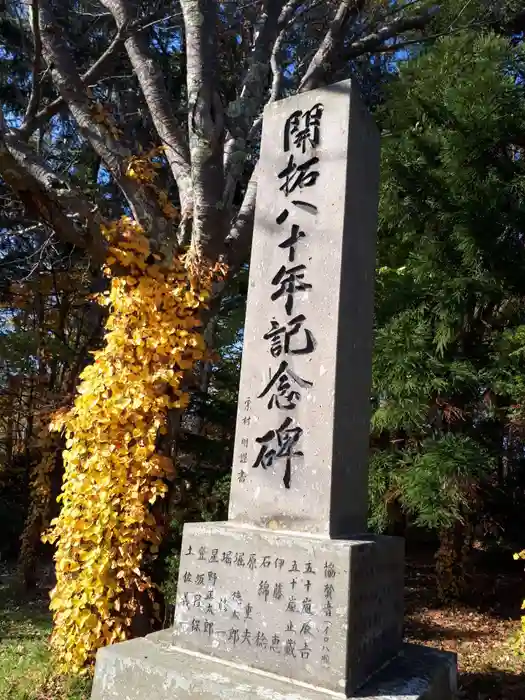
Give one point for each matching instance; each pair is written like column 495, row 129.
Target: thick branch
column 206, row 126
column 157, row 98
column 99, row 134
column 316, row 71
column 239, row 240
column 247, row 107
column 47, row 197
column 90, row 77
column 286, row 18
column 328, row 58
column 34, row 99
column 375, row 40
column 69, row 85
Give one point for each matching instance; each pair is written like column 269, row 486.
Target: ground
column 479, row 631
column 25, row 663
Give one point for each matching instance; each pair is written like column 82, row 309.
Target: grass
column 26, row 671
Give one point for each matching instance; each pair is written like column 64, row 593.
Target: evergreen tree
column 451, row 286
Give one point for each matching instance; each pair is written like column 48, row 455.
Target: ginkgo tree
column 97, row 82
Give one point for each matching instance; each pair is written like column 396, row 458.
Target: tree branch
column 285, row 20
column 375, row 40
column 239, row 240
column 34, row 99
column 245, row 109
column 158, row 100
column 316, row 71
column 89, row 78
column 99, row 134
column 206, row 126
column 49, row 198
column 72, row 90
column 323, row 63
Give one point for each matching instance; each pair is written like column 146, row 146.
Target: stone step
column 152, row 668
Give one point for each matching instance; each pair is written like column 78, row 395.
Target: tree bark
column 206, row 127
column 452, row 562
column 49, row 198
column 158, row 101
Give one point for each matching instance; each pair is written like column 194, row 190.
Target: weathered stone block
column 301, row 443
column 152, row 669
column 321, row 611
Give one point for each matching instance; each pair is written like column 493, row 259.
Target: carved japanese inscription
column 273, row 608
column 288, row 333
column 301, row 425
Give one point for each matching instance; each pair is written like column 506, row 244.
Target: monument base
column 308, row 608
column 153, row 669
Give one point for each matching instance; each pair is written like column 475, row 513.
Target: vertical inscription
column 276, row 606
column 287, row 337
column 328, row 595
column 243, row 457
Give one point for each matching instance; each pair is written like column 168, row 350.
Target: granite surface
column 304, row 607
column 151, row 669
column 301, row 443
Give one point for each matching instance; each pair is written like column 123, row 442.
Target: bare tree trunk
column 10, row 421
column 452, row 559
column 206, row 127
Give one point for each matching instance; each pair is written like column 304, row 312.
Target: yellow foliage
column 102, row 116
column 142, row 168
column 106, row 530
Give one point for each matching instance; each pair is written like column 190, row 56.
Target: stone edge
column 153, row 668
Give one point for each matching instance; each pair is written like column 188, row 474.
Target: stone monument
column 290, row 599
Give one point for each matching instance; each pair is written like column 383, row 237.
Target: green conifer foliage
column 450, row 290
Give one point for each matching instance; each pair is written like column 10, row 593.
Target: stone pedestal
column 154, row 669
column 320, row 611
column 280, row 616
